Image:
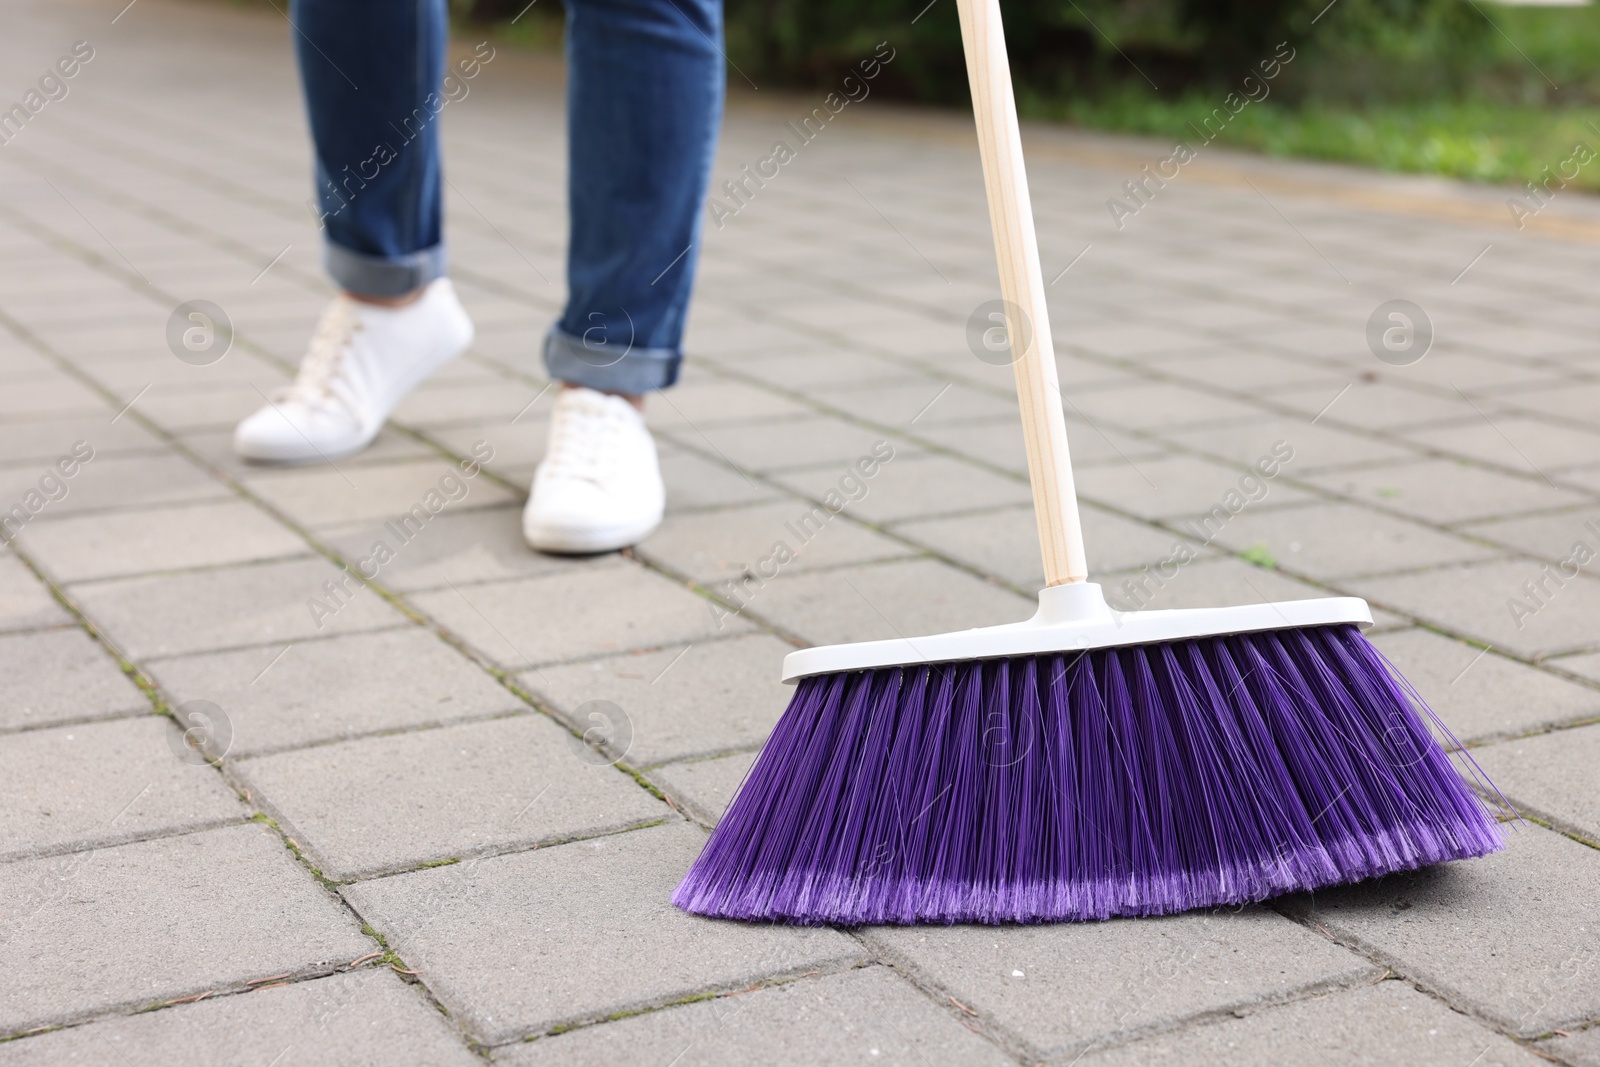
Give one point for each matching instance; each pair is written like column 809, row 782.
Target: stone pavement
column 403, row 855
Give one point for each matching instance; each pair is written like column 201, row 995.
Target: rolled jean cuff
column 610, row 368
column 364, row 275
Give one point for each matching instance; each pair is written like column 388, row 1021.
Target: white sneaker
column 599, row 487
column 362, row 361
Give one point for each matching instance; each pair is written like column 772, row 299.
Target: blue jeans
column 644, row 102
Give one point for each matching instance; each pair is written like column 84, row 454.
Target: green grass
column 1478, row 141
column 1259, row 555
column 1496, row 98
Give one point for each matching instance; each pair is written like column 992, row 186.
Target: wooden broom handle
column 1044, row 430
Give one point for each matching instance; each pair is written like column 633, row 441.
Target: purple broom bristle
column 1122, row 781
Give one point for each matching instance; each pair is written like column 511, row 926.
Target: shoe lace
column 324, row 356
column 585, row 439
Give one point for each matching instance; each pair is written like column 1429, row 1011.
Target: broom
column 1084, row 763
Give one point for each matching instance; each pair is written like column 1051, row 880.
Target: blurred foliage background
column 1465, row 88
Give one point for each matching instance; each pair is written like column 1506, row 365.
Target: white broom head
column 1073, row 618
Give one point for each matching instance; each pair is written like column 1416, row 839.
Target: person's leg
column 372, row 73
column 644, row 103
column 371, row 70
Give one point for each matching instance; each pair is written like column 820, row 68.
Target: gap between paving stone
column 82, row 621
column 407, row 905
column 161, row 657
column 206, row 568
column 328, row 841
column 396, row 599
column 237, row 841
column 857, row 997
column 1301, row 908
column 1123, row 364
column 1317, row 491
column 1242, row 1010
column 1023, row 1047
column 445, row 452
column 1269, row 404
column 175, row 442
column 1205, row 1038
column 389, row 1024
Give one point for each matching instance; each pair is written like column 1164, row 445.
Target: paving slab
column 802, row 363
column 1490, row 603
column 148, row 540
column 1586, row 477
column 17, row 363
column 1149, row 405
column 55, row 394
column 708, row 401
column 694, row 481
column 1575, row 400
column 365, row 1016
column 999, row 443
column 43, row 441
column 327, row 690
column 700, row 699
column 1585, row 666
column 1581, row 1049
column 1367, row 1027
column 518, row 446
column 1552, row 537
column 1327, row 542
column 1182, row 487
column 1209, row 581
column 866, row 1015
column 25, row 601
column 779, row 354
column 911, row 486
column 786, row 444
column 215, row 447
column 111, row 481
column 423, row 490
column 517, row 945
column 1376, row 406
column 885, row 600
column 95, row 784
column 1128, row 339
column 703, row 789
column 716, row 546
column 1316, row 447
column 1055, row 991
column 178, row 409
column 572, row 615
column 1231, row 368
column 446, row 403
column 126, row 372
column 453, row 792
column 230, row 607
column 1004, row 542
column 1446, row 491
column 1551, row 776
column 1511, row 937
column 121, row 928
column 916, row 403
column 1484, row 696
column 460, row 547
column 62, row 676
column 1517, row 443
